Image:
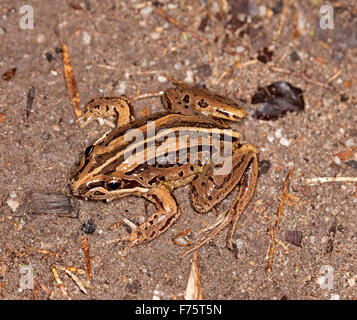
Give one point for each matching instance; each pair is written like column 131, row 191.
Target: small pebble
column 89, row 227
column 285, row 142
column 13, row 194
column 54, row 73
column 278, row 134
column 270, row 138
column 240, row 49
column 161, row 79
column 2, row 32
column 86, row 38
column 337, row 160
column 350, row 143
column 351, row 282
column 13, row 204
column 122, row 88
column 239, row 244
column 262, row 11
column 40, row 38
column 335, row 297
column 189, row 76
column 146, row 11
column 154, row 35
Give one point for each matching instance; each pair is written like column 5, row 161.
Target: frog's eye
column 88, row 151
column 114, row 185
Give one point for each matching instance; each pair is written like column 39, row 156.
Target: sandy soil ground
column 120, row 47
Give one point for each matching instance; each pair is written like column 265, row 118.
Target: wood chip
column 71, row 82
column 59, row 281
column 194, row 288
column 294, row 237
column 52, row 204
column 30, row 98
column 76, row 281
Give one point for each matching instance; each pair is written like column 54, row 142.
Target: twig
column 85, row 248
column 334, row 76
column 236, row 64
column 286, row 8
column 303, row 76
column 59, row 281
column 276, row 226
column 71, row 82
column 30, row 98
column 194, row 288
column 76, row 281
column 177, row 24
column 330, row 179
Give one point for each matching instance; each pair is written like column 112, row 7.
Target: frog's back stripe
column 110, row 154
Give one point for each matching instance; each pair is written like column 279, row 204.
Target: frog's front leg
column 102, row 108
column 167, row 212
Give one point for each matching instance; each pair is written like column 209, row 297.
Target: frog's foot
column 131, row 237
column 222, row 221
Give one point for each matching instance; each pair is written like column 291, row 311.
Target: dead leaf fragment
column 71, row 82
column 8, row 75
column 294, row 237
column 346, row 154
column 276, row 100
column 194, row 289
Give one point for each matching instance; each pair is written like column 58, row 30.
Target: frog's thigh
column 208, row 189
column 166, row 214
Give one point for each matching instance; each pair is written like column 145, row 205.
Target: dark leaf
column 352, row 163
column 203, row 24
column 294, row 237
column 278, row 8
column 264, row 167
column 49, row 57
column 294, row 56
column 265, row 55
column 8, row 75
column 276, row 100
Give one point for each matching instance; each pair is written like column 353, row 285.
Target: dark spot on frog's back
column 186, row 98
column 202, row 103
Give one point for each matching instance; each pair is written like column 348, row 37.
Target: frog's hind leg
column 245, row 186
